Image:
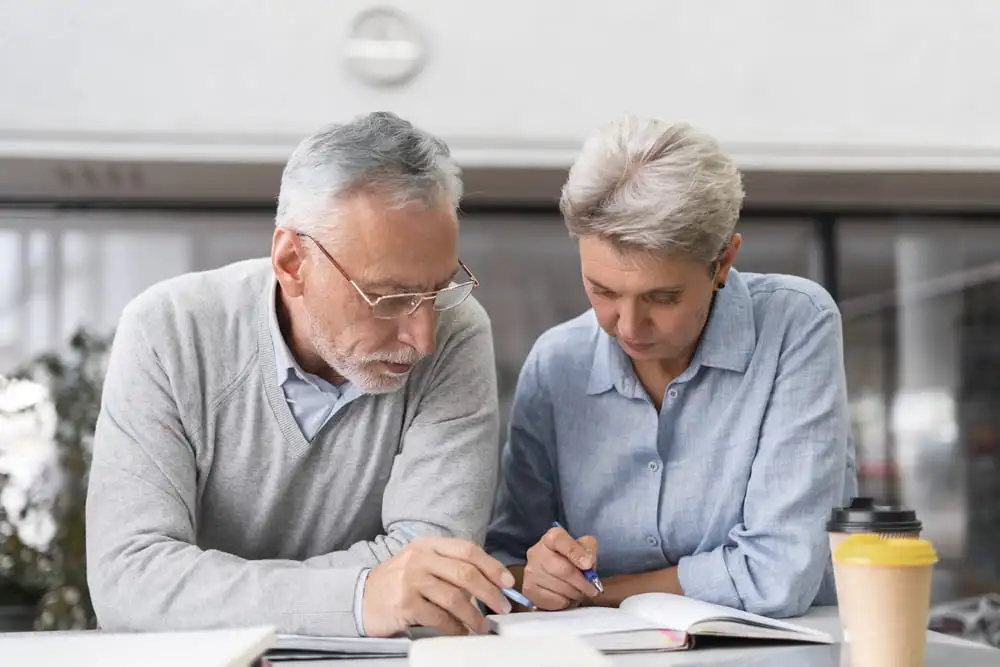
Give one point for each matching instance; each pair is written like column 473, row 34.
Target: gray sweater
column 207, row 507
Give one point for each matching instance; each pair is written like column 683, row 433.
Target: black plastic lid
column 864, row 516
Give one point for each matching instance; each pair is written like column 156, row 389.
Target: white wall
column 785, row 83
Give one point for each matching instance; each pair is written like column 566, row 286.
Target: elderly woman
column 694, row 422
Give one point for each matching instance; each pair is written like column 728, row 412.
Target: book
column 655, row 622
column 435, row 649
column 306, row 647
column 240, row 647
column 643, row 623
column 314, row 647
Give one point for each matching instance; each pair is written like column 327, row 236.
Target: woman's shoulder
column 567, row 346
column 785, row 295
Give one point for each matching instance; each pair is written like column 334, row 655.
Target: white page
column 581, row 622
column 676, row 612
column 491, row 651
column 343, row 645
column 203, row 648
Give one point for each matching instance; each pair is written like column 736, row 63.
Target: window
column 921, row 308
column 61, row 271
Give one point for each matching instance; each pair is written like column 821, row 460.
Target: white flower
column 18, row 395
column 30, row 460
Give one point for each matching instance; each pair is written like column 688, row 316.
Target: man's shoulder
column 463, row 346
column 202, row 297
column 206, row 320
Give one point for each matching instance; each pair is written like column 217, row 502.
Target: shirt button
column 653, row 466
column 672, row 393
column 652, row 541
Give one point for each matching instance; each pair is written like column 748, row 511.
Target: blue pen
column 518, row 597
column 590, row 574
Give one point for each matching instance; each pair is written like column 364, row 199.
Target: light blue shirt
column 732, row 481
column 313, row 402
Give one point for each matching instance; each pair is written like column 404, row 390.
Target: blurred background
column 140, row 141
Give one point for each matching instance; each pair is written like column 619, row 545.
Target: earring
column 720, row 285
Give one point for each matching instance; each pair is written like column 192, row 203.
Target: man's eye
column 607, row 294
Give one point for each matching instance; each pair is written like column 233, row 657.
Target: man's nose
column 418, row 328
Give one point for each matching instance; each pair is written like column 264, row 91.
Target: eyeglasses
column 394, row 306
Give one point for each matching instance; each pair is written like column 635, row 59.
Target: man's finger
column 428, row 614
column 558, row 540
column 455, row 604
column 465, row 576
column 491, row 568
column 558, row 567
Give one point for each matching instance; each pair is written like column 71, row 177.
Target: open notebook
column 654, row 622
column 648, row 622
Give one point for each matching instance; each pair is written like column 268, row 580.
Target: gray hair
column 647, row 185
column 378, row 153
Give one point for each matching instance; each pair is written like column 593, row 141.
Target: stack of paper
column 203, row 648
column 301, row 647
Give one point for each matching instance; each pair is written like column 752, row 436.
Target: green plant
column 56, row 577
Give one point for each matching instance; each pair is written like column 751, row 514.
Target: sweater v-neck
column 298, row 444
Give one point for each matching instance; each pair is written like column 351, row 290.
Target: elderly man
column 275, row 435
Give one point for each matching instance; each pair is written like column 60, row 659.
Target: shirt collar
column 284, row 360
column 727, row 342
column 730, row 334
column 611, row 367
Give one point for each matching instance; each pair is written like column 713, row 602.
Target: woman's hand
column 553, row 575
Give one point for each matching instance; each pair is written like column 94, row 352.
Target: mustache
column 409, row 357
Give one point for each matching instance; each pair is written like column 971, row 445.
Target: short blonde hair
column 648, row 185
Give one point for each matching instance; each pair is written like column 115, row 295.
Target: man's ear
column 288, row 258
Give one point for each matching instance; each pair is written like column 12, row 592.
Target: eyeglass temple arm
column 335, row 263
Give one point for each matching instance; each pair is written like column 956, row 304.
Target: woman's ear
column 726, row 261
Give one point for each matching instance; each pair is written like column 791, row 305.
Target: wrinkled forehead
column 635, row 270
column 401, row 248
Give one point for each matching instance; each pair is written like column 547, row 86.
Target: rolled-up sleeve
column 527, row 499
column 774, row 561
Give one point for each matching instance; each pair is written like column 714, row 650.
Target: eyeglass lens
column 398, row 306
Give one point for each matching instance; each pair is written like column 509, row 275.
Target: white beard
column 363, row 372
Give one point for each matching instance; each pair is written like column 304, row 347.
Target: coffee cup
column 862, row 515
column 884, row 592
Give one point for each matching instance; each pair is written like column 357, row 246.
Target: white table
column 942, row 650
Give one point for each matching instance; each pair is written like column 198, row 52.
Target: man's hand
column 553, row 575
column 429, row 583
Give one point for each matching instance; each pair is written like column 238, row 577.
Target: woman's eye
column 665, row 299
